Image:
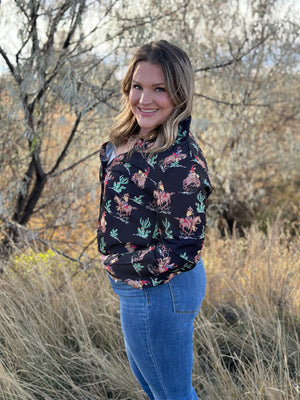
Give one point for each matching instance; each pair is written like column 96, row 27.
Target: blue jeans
column 157, row 325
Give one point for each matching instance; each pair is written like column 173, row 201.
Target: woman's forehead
column 148, row 73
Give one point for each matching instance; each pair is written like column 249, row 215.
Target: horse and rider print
column 151, row 204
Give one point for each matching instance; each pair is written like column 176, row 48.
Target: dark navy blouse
column 152, row 210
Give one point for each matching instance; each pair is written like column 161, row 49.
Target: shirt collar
column 142, row 145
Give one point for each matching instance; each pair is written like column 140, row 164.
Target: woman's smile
column 143, row 110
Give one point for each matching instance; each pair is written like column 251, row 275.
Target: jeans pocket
column 188, row 289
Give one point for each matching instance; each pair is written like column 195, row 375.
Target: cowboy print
column 159, row 201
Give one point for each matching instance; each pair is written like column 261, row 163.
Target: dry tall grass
column 60, row 336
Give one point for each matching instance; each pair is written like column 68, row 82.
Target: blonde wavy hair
column 179, row 82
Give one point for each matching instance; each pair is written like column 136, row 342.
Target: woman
column 152, row 219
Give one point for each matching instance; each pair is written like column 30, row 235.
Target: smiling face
column 148, row 97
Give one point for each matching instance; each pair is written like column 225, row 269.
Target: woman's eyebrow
column 155, row 84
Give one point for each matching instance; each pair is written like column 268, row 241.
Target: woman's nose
column 146, row 97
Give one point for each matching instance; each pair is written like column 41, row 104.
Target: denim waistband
column 183, row 278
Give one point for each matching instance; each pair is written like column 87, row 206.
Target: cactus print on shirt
column 152, row 210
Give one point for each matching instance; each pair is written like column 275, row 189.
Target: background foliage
column 60, row 91
column 60, row 68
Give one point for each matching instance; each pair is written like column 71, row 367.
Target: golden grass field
column 60, row 335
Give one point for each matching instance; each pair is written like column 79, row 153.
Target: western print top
column 152, row 210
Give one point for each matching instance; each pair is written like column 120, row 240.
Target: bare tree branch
column 231, row 104
column 235, row 59
column 8, row 63
column 66, row 147
column 74, row 164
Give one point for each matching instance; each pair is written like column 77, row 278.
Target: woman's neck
column 127, row 146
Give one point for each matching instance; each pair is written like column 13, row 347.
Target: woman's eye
column 160, row 89
column 137, row 87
